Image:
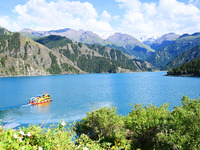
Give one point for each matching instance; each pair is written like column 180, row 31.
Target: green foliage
column 12, row 69
column 104, row 123
column 54, row 69
column 25, row 48
column 54, row 138
column 53, row 41
column 3, row 61
column 183, row 128
column 96, row 65
column 184, row 57
column 191, row 68
column 10, row 42
column 68, row 54
column 144, row 123
column 80, row 44
column 75, row 47
column 68, row 68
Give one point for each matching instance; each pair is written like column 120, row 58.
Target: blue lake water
column 74, row 95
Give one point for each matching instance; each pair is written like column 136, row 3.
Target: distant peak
column 27, row 30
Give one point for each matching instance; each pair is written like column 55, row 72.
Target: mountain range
column 124, row 42
column 165, row 55
column 20, row 55
column 32, row 52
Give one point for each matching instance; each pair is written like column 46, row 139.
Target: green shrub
column 183, row 130
column 104, row 123
column 144, row 123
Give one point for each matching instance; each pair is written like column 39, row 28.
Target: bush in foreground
column 146, row 128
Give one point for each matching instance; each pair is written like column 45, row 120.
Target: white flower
column 78, row 146
column 20, row 139
column 109, row 144
column 23, row 148
column 40, row 148
column 29, row 134
column 21, row 132
column 15, row 136
column 85, row 148
column 63, row 123
column 0, row 126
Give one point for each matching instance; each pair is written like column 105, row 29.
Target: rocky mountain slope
column 163, row 56
column 165, row 40
column 131, row 44
column 21, row 56
column 123, row 42
column 184, row 57
column 92, row 57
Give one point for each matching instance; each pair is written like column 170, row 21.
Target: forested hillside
column 191, row 68
column 21, row 56
column 184, row 57
column 94, row 58
column 163, row 56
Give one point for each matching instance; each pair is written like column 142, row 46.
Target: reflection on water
column 41, row 108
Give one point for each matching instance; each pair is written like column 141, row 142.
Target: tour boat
column 45, row 98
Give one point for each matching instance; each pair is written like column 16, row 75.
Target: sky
column 139, row 18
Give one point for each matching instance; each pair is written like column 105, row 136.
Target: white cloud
column 162, row 17
column 105, row 16
column 116, row 17
column 8, row 24
column 42, row 15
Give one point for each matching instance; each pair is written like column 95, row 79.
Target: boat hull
column 46, row 101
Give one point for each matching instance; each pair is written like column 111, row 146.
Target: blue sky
column 138, row 18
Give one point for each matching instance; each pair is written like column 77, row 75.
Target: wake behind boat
column 45, row 98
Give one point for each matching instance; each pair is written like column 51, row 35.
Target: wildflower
column 21, row 132
column 78, row 147
column 40, row 148
column 23, row 148
column 29, row 134
column 0, row 126
column 85, row 148
column 63, row 123
column 15, row 136
column 108, row 144
column 20, row 139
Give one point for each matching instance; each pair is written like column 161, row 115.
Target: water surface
column 74, row 95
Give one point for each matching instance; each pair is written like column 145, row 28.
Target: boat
column 45, row 98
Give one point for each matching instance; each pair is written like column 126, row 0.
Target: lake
column 74, row 95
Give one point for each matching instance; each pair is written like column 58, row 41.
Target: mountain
column 184, row 57
column 191, row 68
column 163, row 56
column 94, row 58
column 4, row 31
column 131, row 44
column 87, row 37
column 165, row 40
column 123, row 42
column 148, row 40
column 21, row 56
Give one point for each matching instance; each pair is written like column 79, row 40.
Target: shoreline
column 75, row 74
column 181, row 75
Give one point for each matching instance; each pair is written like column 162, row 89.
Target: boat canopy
column 32, row 98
